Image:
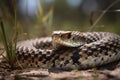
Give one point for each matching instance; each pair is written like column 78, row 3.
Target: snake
column 69, row 50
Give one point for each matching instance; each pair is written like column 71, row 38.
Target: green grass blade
column 3, row 35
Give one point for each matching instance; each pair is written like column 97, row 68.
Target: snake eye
column 65, row 35
column 69, row 35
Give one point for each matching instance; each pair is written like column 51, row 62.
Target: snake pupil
column 69, row 35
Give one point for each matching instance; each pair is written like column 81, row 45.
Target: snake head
column 68, row 38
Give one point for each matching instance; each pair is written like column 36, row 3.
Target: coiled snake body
column 70, row 49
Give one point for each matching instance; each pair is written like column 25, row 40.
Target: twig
column 104, row 11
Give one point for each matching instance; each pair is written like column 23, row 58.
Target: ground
column 107, row 72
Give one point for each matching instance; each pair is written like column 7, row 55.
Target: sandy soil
column 106, row 72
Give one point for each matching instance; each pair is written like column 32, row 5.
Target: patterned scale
column 69, row 50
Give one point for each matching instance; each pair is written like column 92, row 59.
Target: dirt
column 107, row 72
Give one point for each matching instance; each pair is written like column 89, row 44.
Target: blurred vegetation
column 9, row 45
column 9, row 39
column 58, row 15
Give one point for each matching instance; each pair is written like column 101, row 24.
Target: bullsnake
column 70, row 49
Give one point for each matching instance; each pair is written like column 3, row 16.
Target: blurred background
column 38, row 18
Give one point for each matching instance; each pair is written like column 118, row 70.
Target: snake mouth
column 66, row 43
column 71, row 44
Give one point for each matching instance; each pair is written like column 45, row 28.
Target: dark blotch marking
column 69, row 35
column 25, row 56
column 31, row 65
column 95, row 60
column 61, row 65
column 53, row 65
column 106, row 53
column 89, row 53
column 32, row 51
column 93, row 50
column 36, row 55
column 95, row 54
column 102, row 59
column 75, row 57
column 38, row 66
column 36, row 63
column 43, row 55
column 40, row 58
column 52, row 54
column 110, row 55
column 66, row 62
column 48, row 52
column 32, row 59
column 62, row 59
column 40, row 52
column 86, row 58
column 19, row 56
column 29, row 55
column 47, row 59
column 56, row 57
